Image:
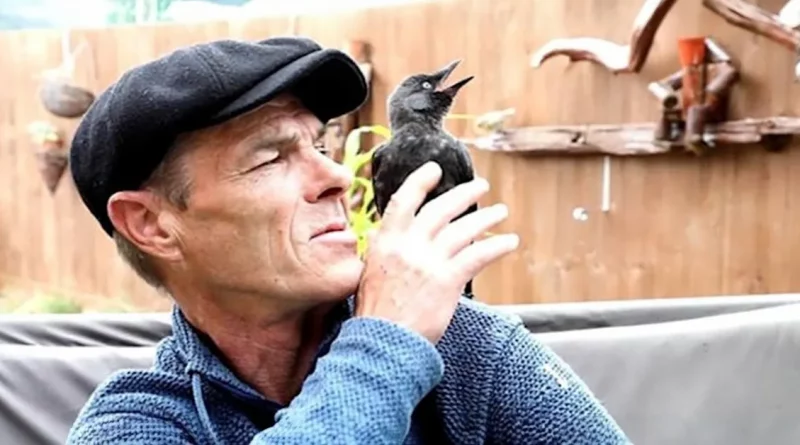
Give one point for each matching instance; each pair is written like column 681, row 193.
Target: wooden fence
column 678, row 225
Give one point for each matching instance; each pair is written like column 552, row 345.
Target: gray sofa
column 705, row 371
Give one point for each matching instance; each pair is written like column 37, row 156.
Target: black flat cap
column 127, row 131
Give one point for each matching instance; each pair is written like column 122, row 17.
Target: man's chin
column 340, row 279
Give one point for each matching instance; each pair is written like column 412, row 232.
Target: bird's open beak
column 442, row 76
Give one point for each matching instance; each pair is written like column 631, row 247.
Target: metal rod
column 606, row 198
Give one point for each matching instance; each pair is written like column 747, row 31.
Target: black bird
column 417, row 109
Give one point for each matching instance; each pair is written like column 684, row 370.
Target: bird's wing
column 377, row 155
column 375, row 166
column 463, row 163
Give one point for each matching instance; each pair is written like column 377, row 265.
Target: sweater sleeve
column 127, row 428
column 538, row 399
column 363, row 391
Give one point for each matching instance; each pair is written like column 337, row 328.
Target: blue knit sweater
column 488, row 381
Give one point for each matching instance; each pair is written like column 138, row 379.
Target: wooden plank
column 626, row 139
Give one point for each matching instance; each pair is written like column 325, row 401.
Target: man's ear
column 139, row 217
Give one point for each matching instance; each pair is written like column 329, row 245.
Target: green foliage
column 362, row 216
column 137, row 11
column 21, row 301
column 48, row 304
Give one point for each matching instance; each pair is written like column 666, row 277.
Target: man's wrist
column 407, row 355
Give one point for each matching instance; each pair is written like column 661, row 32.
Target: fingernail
column 482, row 183
column 513, row 240
column 432, row 166
column 501, row 209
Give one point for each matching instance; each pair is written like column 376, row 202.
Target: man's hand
column 416, row 267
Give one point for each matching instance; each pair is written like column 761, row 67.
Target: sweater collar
column 203, row 359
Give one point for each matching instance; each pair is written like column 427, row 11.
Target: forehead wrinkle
column 279, row 122
column 285, row 128
column 275, row 133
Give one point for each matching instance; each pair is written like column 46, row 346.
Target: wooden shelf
column 633, row 139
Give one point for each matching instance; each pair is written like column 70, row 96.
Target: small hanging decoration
column 51, row 157
column 58, row 92
column 63, row 99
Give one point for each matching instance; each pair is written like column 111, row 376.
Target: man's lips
column 337, row 226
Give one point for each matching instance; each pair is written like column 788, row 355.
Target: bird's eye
column 427, row 85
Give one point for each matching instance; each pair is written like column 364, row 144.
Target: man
column 205, row 167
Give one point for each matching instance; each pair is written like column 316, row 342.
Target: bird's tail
column 468, row 287
column 468, row 290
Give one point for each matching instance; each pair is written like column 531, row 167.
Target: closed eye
column 320, row 146
column 272, row 150
column 264, row 156
column 319, row 141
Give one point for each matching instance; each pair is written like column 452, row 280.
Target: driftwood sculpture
column 615, row 57
column 694, row 95
column 779, row 28
column 744, row 14
column 693, row 100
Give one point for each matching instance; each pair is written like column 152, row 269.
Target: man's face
column 263, row 192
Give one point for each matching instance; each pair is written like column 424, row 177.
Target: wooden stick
column 716, row 53
column 627, row 139
column 666, row 89
column 754, row 19
column 724, row 77
column 616, row 58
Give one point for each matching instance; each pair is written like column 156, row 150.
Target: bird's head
column 424, row 97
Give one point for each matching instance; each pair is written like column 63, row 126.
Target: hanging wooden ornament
column 58, row 92
column 51, row 157
column 63, row 99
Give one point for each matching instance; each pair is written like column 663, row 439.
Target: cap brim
column 328, row 82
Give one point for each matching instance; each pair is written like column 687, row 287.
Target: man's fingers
column 475, row 257
column 370, row 236
column 409, row 196
column 460, row 233
column 439, row 211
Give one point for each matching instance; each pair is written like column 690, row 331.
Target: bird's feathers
column 417, row 108
column 407, row 150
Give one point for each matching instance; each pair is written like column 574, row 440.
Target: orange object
column 692, row 55
column 691, row 50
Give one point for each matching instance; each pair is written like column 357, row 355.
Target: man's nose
column 329, row 179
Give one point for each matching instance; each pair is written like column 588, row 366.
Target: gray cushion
column 707, row 380
column 42, row 388
column 84, row 329
column 599, row 314
column 729, row 379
